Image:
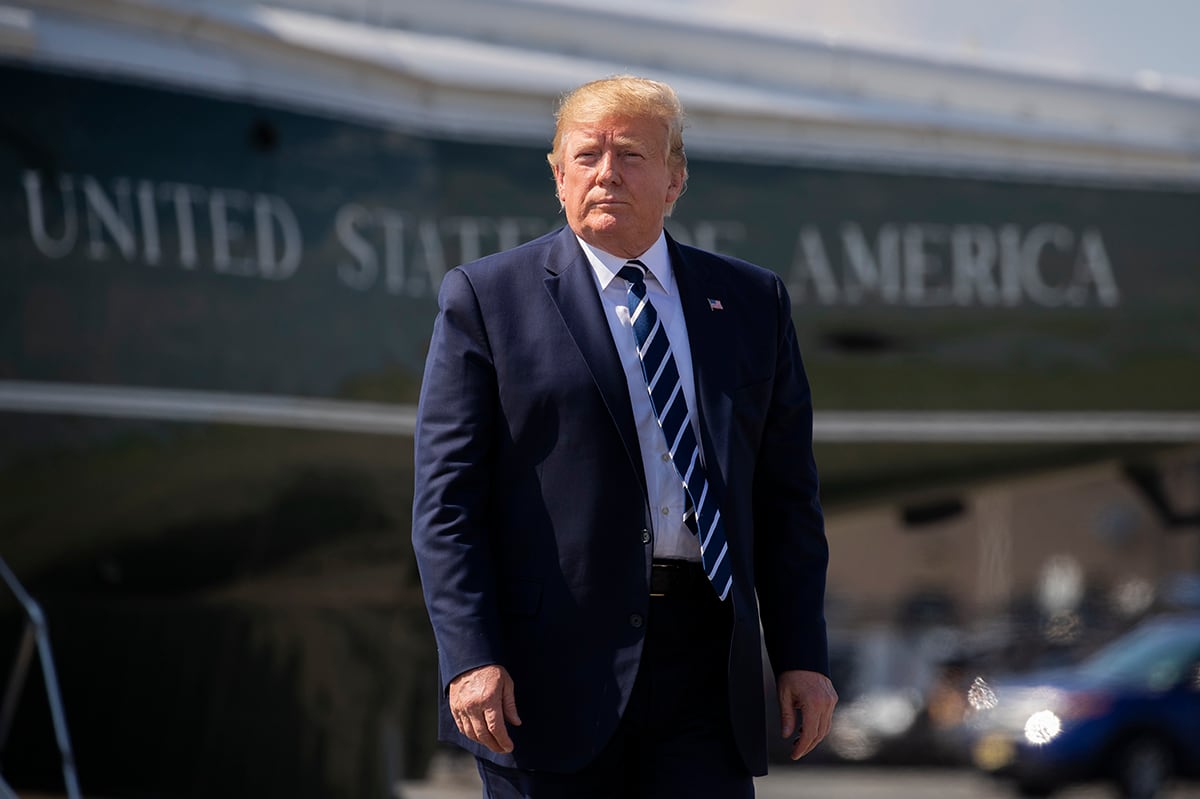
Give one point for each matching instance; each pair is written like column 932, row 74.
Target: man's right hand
column 481, row 701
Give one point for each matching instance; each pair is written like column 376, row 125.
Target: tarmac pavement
column 455, row 778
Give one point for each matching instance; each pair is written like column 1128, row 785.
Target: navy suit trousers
column 674, row 738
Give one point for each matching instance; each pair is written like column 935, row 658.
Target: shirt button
column 666, row 456
column 645, row 536
column 636, row 620
column 666, row 511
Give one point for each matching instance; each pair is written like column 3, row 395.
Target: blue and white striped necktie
column 702, row 517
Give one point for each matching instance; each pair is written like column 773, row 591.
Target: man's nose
column 607, row 171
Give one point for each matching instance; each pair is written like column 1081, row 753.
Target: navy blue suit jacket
column 530, row 507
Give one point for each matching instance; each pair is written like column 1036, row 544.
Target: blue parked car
column 1129, row 713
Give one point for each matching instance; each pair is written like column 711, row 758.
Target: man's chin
column 605, row 216
column 602, row 226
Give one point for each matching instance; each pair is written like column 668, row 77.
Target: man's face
column 614, row 182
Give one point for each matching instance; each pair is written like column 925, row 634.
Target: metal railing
column 35, row 635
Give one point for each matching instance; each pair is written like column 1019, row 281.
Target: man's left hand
column 813, row 695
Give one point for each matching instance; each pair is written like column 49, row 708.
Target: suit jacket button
column 636, row 620
column 645, row 536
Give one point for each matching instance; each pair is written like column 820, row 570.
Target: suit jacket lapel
column 707, row 334
column 573, row 290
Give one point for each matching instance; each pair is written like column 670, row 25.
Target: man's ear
column 675, row 187
column 558, row 182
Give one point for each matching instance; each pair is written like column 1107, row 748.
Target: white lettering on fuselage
column 250, row 234
column 245, row 234
column 930, row 265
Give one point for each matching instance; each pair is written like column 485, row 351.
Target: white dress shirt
column 672, row 538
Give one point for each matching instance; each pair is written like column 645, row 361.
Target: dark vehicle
column 1129, row 713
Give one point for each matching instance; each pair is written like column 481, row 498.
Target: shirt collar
column 657, row 261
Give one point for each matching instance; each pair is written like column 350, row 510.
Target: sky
column 1139, row 41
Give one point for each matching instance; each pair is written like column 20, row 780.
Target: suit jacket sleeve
column 454, row 455
column 791, row 550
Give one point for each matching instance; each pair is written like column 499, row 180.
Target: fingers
column 480, row 702
column 476, row 728
column 803, row 744
column 484, row 724
column 787, row 715
column 510, row 706
column 813, row 694
column 493, row 733
column 812, row 732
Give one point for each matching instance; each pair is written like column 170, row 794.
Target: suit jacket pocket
column 521, row 597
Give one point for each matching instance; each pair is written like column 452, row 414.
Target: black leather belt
column 674, row 577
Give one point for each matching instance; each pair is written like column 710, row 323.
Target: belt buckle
column 663, row 573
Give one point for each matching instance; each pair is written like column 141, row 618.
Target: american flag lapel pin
column 715, row 305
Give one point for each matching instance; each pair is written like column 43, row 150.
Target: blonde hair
column 622, row 95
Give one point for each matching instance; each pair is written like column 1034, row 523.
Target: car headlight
column 1042, row 727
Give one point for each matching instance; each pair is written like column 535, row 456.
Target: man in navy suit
column 590, row 643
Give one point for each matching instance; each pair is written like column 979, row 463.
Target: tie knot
column 633, row 271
